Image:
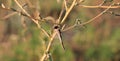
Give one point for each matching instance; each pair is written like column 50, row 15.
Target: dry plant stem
column 49, row 18
column 54, row 33
column 68, row 11
column 35, row 21
column 48, row 47
column 91, row 20
column 85, row 6
column 27, row 13
column 103, row 2
column 97, row 15
column 44, row 32
column 58, row 21
column 65, row 5
column 61, row 13
column 71, row 27
column 22, row 8
column 9, row 15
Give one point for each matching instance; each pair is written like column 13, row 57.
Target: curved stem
column 91, row 20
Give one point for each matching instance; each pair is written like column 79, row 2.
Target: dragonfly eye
column 56, row 27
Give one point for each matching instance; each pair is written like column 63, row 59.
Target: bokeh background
column 21, row 40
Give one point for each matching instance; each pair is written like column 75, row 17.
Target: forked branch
column 91, row 20
column 34, row 20
column 55, row 33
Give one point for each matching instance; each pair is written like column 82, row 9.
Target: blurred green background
column 21, row 40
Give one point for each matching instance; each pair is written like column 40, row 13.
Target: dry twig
column 91, row 20
column 85, row 6
column 68, row 11
column 35, row 21
column 54, row 33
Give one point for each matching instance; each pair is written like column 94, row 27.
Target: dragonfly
column 57, row 29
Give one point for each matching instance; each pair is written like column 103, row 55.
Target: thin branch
column 79, row 2
column 44, row 32
column 54, row 33
column 48, row 47
column 22, row 8
column 60, row 16
column 61, row 13
column 63, row 26
column 35, row 21
column 91, row 20
column 103, row 2
column 71, row 27
column 85, row 6
column 65, row 3
column 9, row 15
column 49, row 18
column 68, row 11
